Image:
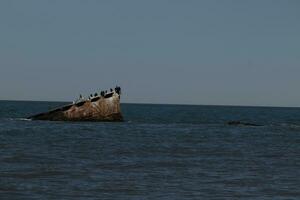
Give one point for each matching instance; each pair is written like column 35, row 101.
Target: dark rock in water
column 99, row 108
column 239, row 123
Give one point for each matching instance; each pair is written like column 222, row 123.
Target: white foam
column 24, row 119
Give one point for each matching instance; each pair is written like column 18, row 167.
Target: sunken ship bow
column 102, row 107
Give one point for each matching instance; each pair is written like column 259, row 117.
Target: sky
column 176, row 52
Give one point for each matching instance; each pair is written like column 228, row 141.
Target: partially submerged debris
column 104, row 107
column 239, row 123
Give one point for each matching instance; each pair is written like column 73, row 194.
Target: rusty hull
column 96, row 109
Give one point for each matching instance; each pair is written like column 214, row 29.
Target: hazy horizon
column 244, row 53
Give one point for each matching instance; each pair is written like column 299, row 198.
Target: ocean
column 165, row 152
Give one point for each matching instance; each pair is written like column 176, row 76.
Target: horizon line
column 174, row 104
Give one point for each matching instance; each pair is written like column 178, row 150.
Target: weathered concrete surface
column 96, row 109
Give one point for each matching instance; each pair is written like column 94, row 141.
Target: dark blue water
column 160, row 152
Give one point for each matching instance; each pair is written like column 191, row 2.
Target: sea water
column 160, row 152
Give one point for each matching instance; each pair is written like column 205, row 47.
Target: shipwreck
column 102, row 107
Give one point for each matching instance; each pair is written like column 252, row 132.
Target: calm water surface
column 160, row 152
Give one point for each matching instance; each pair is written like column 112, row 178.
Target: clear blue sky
column 185, row 52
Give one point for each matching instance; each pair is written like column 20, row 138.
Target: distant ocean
column 166, row 152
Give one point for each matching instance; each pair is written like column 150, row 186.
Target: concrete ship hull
column 101, row 108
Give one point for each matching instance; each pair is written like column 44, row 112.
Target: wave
column 19, row 119
column 24, row 119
